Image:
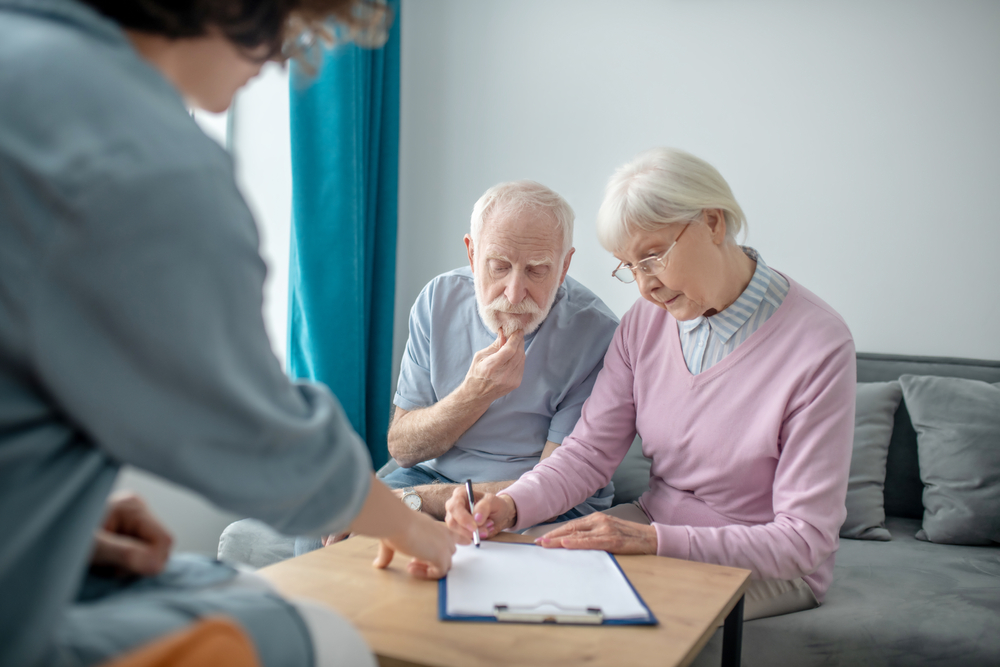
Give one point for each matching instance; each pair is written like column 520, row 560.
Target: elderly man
column 501, row 355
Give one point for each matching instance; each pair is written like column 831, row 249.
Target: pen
column 472, row 510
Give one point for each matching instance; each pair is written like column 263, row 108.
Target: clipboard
column 491, row 587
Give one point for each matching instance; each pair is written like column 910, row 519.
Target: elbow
column 814, row 552
column 398, row 452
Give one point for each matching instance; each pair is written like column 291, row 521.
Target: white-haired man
column 501, row 355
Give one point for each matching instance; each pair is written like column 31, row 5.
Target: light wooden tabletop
column 398, row 615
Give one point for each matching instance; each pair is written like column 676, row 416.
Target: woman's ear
column 715, row 218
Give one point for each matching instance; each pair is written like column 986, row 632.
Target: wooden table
column 398, row 615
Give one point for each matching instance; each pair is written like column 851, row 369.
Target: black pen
column 472, row 510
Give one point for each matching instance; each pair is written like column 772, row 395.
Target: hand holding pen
column 472, row 510
column 484, row 519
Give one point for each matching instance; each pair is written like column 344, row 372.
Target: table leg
column 732, row 636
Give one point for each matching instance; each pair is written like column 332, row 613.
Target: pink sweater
column 750, row 458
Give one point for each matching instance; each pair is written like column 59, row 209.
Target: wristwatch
column 411, row 498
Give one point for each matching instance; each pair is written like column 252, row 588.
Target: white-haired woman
column 740, row 383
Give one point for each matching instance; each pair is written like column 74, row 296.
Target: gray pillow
column 958, row 444
column 873, row 418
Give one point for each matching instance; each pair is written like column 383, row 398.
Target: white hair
column 659, row 187
column 514, row 197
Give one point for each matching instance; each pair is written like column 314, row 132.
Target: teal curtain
column 345, row 164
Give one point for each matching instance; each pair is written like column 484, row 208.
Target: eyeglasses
column 649, row 266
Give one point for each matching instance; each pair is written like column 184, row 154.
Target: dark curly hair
column 288, row 28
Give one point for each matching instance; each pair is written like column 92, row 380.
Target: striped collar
column 726, row 323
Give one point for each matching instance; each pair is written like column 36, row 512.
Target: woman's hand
column 602, row 531
column 131, row 540
column 399, row 528
column 493, row 513
column 430, row 542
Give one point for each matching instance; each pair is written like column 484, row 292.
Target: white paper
column 528, row 578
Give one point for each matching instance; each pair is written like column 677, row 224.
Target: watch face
column 412, row 500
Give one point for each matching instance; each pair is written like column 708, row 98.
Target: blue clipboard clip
column 549, row 612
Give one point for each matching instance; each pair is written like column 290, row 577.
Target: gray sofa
column 898, row 602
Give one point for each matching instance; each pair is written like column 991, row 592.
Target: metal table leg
column 732, row 637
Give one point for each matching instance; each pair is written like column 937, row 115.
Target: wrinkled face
column 518, row 266
column 689, row 284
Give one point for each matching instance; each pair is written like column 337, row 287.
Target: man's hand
column 498, row 369
column 131, row 540
column 604, row 532
column 427, row 433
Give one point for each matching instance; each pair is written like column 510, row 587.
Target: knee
column 254, row 543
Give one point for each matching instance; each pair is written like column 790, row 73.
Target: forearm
column 382, row 515
column 434, row 496
column 424, row 434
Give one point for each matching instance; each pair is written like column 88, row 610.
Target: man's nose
column 515, row 291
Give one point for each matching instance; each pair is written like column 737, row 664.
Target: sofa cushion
column 873, row 419
column 897, row 603
column 958, row 443
column 631, row 479
column 903, row 488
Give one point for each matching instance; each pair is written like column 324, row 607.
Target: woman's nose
column 646, row 281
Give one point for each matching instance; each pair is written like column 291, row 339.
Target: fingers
column 601, row 531
column 129, row 515
column 128, row 554
column 132, row 539
column 570, row 527
column 505, row 348
column 424, row 570
column 384, row 556
column 513, row 348
column 457, row 515
column 334, row 538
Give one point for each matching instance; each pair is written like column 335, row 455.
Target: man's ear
column 565, row 267
column 715, row 218
column 468, row 249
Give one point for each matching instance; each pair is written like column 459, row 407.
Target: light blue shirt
column 705, row 341
column 562, row 360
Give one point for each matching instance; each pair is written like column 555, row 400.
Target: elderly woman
column 740, row 383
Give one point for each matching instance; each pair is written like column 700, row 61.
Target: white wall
column 861, row 139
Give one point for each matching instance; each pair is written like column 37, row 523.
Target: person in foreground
column 131, row 333
column 740, row 383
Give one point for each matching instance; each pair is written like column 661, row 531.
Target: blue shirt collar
column 727, row 322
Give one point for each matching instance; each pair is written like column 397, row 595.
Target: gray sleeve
column 147, row 333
